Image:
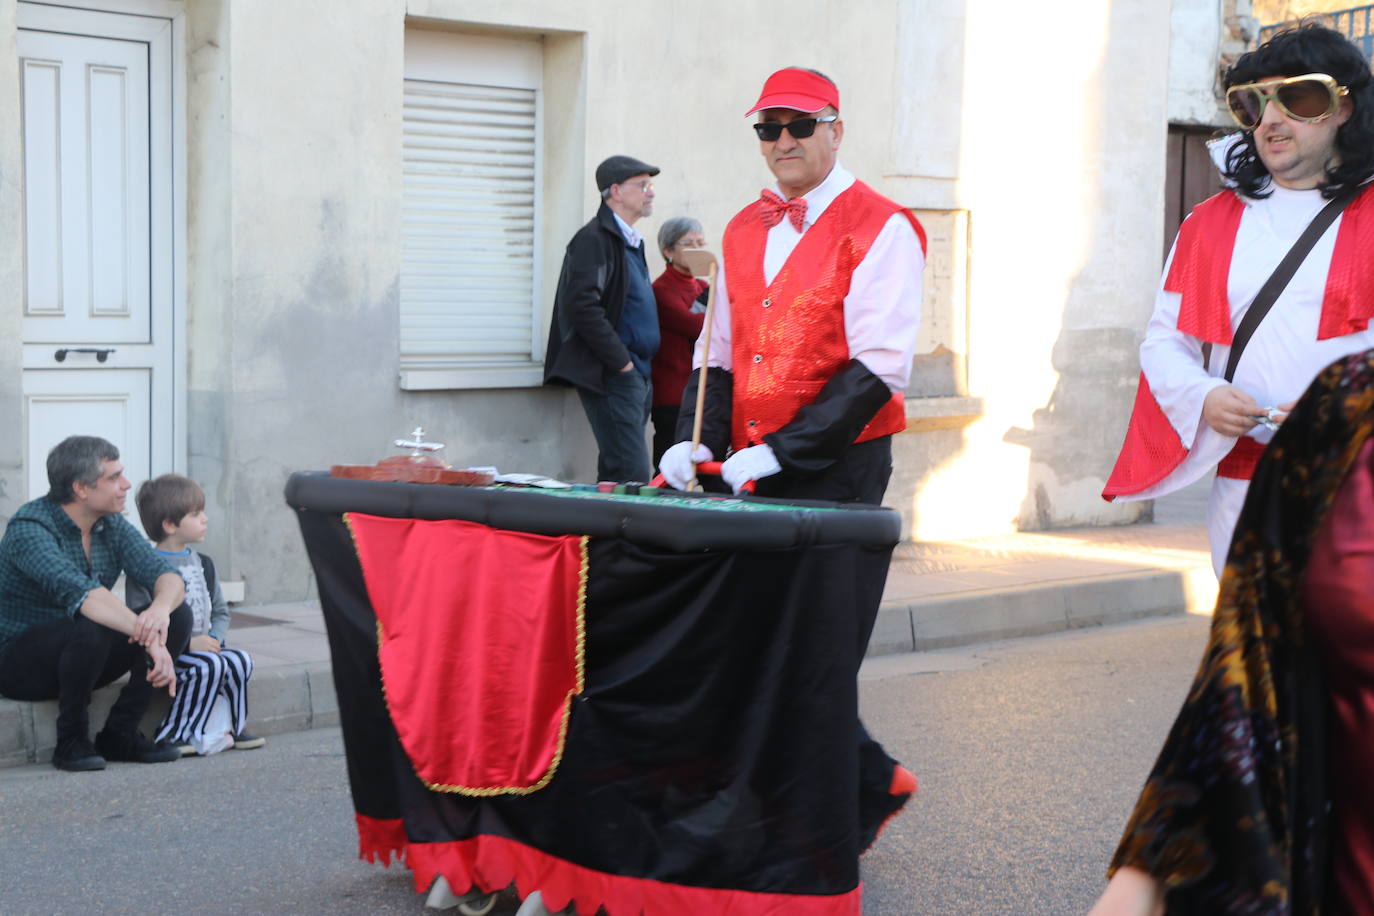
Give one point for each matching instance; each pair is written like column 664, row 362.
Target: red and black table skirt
column 642, row 704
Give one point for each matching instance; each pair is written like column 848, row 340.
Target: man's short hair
column 1309, row 48
column 76, row 459
column 168, row 498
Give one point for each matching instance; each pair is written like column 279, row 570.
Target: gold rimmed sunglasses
column 1311, row 97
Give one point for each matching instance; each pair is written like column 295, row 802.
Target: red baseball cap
column 798, row 89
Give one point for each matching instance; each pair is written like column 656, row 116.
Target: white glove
column 679, row 464
column 753, row 463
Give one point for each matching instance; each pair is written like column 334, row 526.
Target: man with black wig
column 1305, row 104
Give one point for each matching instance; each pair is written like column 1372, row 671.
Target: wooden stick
column 701, row 379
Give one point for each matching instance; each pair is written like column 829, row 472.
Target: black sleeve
column 588, row 267
column 715, row 414
column 817, row 436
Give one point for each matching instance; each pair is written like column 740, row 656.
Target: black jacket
column 584, row 346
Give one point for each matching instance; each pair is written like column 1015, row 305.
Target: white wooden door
column 99, row 319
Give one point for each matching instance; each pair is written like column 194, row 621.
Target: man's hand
column 204, row 644
column 162, row 674
column 628, row 367
column 151, row 627
column 679, row 464
column 1230, row 411
column 753, row 463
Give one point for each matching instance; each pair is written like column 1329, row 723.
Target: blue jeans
column 618, row 419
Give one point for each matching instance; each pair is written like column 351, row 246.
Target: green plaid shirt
column 44, row 573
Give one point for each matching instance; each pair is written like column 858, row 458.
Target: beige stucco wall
column 1065, row 210
column 297, row 263
column 293, row 153
column 11, row 272
column 1194, row 54
column 295, row 242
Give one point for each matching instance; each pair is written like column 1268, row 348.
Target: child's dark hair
column 168, row 498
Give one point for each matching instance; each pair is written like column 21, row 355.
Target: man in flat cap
column 818, row 300
column 605, row 321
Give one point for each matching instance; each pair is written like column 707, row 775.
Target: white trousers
column 1223, row 508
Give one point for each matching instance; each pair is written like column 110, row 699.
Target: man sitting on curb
column 63, row 633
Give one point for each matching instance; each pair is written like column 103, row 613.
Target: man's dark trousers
column 618, row 420
column 68, row 658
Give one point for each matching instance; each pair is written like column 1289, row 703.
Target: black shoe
column 76, row 755
column 136, row 748
column 243, row 741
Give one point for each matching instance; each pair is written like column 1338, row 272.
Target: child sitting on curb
column 172, row 509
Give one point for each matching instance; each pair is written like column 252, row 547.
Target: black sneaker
column 245, row 742
column 135, row 748
column 76, row 755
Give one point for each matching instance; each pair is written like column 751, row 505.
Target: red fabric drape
column 480, row 634
column 1201, row 267
column 1348, row 302
column 1151, row 451
column 380, row 839
column 492, row 863
column 1241, row 460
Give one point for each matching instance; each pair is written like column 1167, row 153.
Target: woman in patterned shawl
column 1262, row 799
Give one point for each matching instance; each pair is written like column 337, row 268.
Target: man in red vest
column 817, row 304
column 1305, row 103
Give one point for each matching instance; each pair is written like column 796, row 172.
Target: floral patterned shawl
column 1233, row 817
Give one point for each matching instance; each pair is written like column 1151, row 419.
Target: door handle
column 100, row 354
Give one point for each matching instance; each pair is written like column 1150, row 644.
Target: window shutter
column 467, row 292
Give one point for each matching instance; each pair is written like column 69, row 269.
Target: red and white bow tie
column 772, row 207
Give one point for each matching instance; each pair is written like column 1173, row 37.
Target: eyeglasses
column 643, row 186
column 801, row 128
column 1308, row 98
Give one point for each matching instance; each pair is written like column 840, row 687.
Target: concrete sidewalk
column 938, row 594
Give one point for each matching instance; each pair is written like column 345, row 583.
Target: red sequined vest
column 788, row 335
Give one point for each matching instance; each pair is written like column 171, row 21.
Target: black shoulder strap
column 1278, row 280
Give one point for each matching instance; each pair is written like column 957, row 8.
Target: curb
column 985, row 615
column 294, row 697
column 285, row 698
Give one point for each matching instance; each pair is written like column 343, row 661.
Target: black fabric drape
column 713, row 745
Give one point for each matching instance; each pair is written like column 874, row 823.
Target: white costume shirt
column 1278, row 364
column 883, row 308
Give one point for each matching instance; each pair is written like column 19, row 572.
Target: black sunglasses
column 801, row 128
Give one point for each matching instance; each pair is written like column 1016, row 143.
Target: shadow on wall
column 1074, row 438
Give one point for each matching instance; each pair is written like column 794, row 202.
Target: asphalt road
column 1029, row 752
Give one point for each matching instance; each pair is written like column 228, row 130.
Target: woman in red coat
column 681, row 306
